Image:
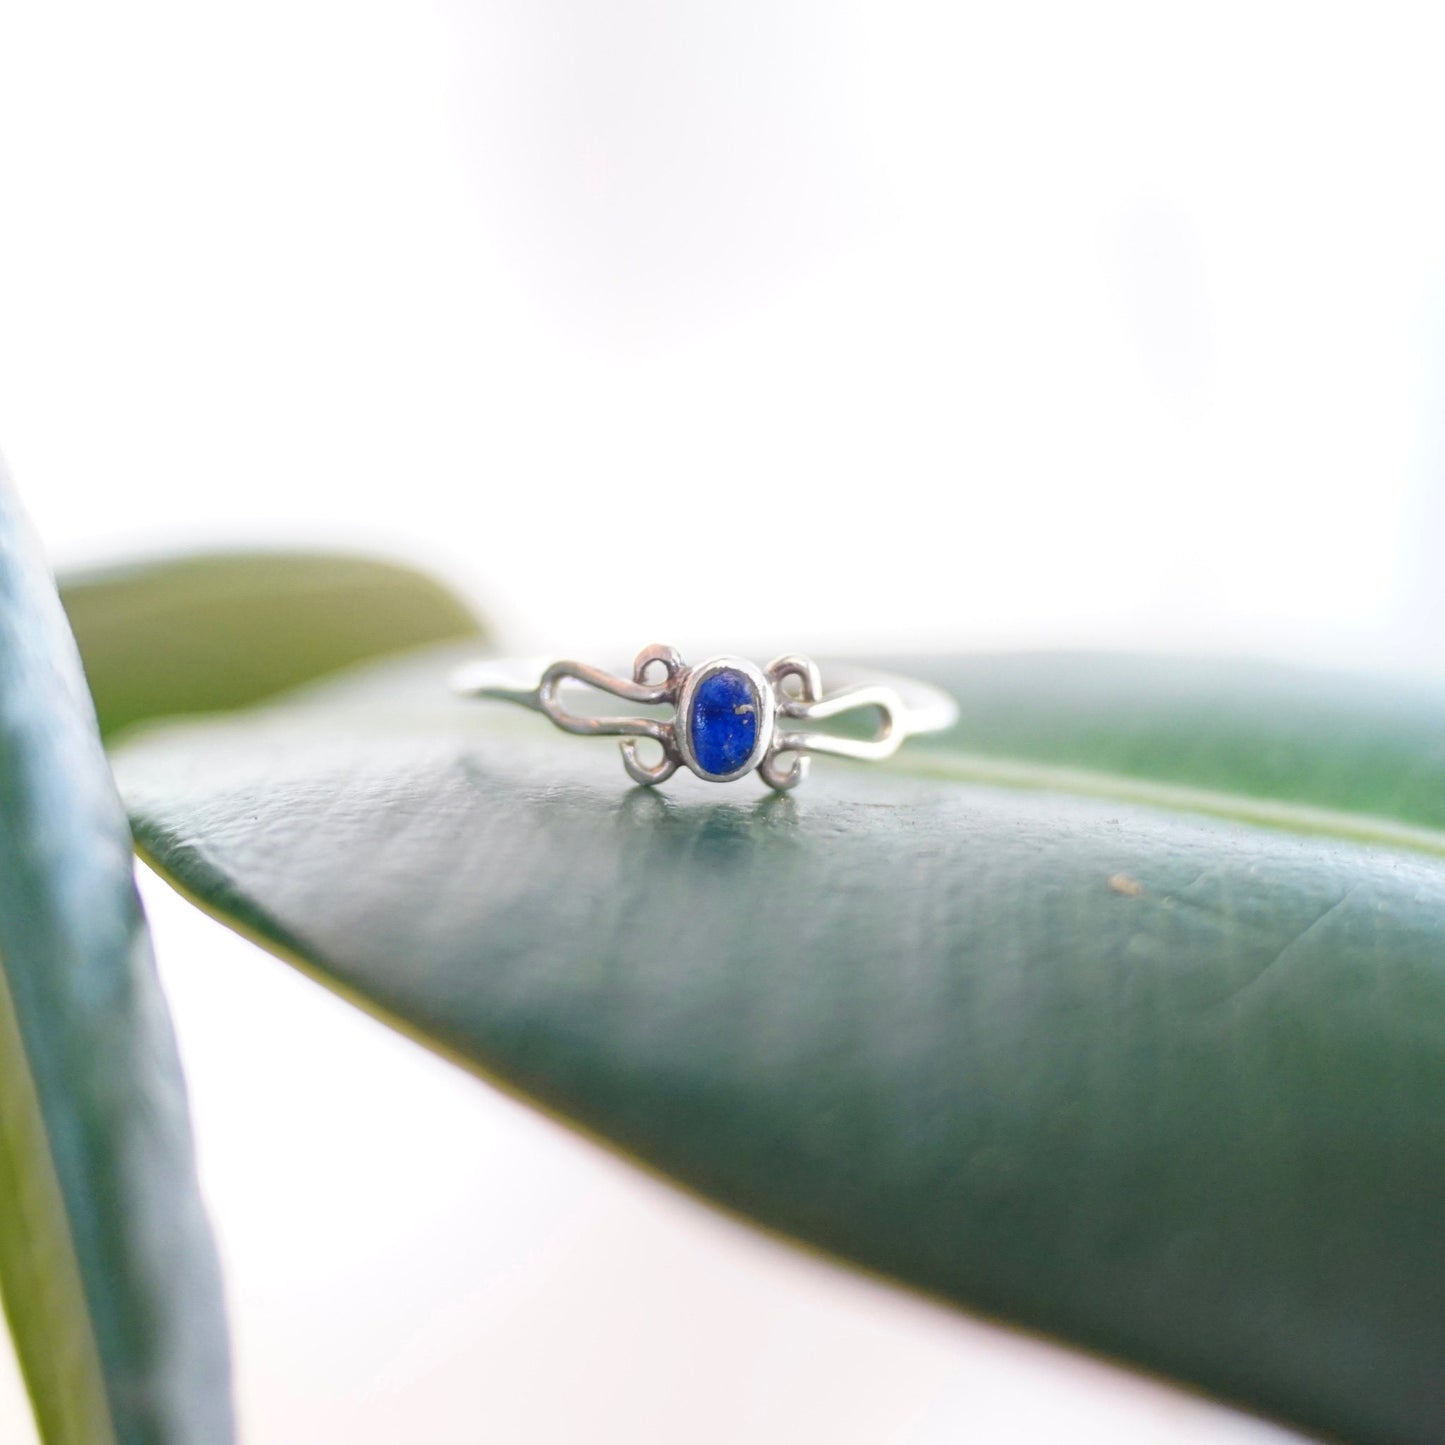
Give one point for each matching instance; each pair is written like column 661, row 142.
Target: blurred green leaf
column 1315, row 751
column 198, row 634
column 107, row 1267
column 1163, row 1084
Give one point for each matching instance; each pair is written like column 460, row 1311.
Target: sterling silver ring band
column 729, row 716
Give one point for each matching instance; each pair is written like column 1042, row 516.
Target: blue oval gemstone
column 724, row 722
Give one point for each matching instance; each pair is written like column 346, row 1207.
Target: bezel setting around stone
column 764, row 700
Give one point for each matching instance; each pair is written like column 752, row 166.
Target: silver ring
column 729, row 716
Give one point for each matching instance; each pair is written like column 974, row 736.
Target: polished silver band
column 729, row 716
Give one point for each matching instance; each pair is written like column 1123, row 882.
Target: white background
column 778, row 324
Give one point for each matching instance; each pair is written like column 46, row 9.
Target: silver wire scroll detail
column 790, row 698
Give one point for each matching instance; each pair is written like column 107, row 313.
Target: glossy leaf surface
column 107, row 1267
column 1163, row 1084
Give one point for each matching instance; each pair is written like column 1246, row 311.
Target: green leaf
column 1313, row 751
column 201, row 634
column 107, row 1267
column 1163, row 1084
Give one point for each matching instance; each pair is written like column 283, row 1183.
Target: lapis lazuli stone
column 724, row 722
